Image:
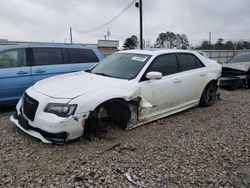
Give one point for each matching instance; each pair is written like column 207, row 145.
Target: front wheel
column 209, row 95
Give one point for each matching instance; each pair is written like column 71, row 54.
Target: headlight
column 62, row 110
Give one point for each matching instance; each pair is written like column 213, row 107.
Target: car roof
column 51, row 45
column 156, row 51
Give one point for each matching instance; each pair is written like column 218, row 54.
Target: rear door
column 193, row 77
column 15, row 74
column 80, row 59
column 47, row 62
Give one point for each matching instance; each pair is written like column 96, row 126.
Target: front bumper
column 44, row 136
column 47, row 127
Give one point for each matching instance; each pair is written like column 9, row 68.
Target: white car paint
column 159, row 97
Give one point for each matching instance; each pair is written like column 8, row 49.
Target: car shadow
column 7, row 108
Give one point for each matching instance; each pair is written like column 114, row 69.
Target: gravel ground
column 201, row 147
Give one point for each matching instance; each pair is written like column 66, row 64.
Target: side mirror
column 154, row 75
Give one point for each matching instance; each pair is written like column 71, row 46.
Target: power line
column 108, row 22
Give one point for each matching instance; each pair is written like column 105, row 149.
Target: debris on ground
column 134, row 182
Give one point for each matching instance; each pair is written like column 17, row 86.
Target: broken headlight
column 62, row 110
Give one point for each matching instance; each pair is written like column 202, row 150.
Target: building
column 107, row 47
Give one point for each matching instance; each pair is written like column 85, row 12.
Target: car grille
column 29, row 107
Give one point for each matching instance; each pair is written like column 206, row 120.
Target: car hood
column 244, row 66
column 72, row 85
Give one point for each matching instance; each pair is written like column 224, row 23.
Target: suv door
column 47, row 62
column 193, row 78
column 15, row 75
column 163, row 94
column 79, row 58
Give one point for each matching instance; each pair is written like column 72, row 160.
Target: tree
column 161, row 40
column 204, row 45
column 184, row 41
column 219, row 44
column 131, row 43
column 171, row 40
column 229, row 45
column 220, row 41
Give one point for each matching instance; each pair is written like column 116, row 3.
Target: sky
column 50, row 20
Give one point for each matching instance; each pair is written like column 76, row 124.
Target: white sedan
column 128, row 89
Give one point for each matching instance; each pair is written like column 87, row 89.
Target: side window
column 13, row 58
column 82, row 55
column 47, row 56
column 66, row 57
column 188, row 62
column 166, row 64
column 198, row 63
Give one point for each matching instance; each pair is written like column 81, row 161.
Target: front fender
column 90, row 101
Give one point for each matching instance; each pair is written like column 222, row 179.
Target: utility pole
column 70, row 32
column 139, row 5
column 209, row 40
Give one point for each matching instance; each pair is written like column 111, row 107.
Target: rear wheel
column 209, row 95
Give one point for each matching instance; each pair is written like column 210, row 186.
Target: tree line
column 224, row 45
column 180, row 41
column 164, row 40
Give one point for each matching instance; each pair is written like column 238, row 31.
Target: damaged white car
column 128, row 89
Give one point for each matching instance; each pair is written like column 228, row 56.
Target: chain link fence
column 223, row 56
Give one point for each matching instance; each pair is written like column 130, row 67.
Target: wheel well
column 111, row 112
column 213, row 81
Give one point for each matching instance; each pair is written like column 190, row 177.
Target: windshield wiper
column 102, row 74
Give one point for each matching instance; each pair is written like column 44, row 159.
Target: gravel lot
column 201, row 147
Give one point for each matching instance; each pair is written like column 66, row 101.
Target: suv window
column 166, row 64
column 78, row 55
column 13, row 58
column 47, row 56
column 188, row 62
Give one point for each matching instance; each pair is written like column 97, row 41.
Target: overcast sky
column 49, row 20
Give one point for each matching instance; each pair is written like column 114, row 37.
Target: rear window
column 13, row 58
column 188, row 62
column 47, row 56
column 82, row 55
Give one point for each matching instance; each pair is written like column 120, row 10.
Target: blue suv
column 23, row 65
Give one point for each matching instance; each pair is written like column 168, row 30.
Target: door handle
column 40, row 71
column 176, row 81
column 22, row 72
column 203, row 74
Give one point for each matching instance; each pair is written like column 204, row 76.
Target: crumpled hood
column 75, row 84
column 244, row 66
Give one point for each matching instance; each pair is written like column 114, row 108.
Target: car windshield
column 240, row 58
column 121, row 65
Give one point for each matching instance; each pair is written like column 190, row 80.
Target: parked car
column 128, row 89
column 236, row 72
column 23, row 65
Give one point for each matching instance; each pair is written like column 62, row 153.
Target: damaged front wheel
column 112, row 113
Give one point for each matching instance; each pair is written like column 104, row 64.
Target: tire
column 208, row 96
